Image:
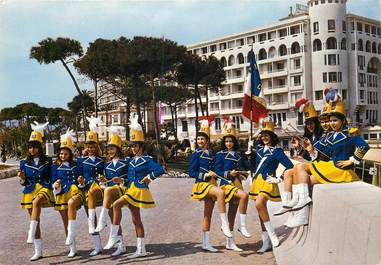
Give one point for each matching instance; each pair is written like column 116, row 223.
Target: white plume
column 204, row 123
column 93, row 123
column 113, row 129
column 134, row 124
column 39, row 127
column 69, row 134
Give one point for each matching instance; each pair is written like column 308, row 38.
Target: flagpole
column 251, row 98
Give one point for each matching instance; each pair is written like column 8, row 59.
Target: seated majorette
column 345, row 152
column 90, row 166
column 34, row 175
column 115, row 175
column 265, row 187
column 230, row 166
column 320, row 144
column 142, row 170
column 64, row 174
column 205, row 187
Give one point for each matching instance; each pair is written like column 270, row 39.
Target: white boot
column 73, row 250
column 266, row 243
column 37, row 250
column 102, row 222
column 121, row 248
column 242, row 226
column 304, row 197
column 91, row 221
column 273, row 237
column 140, row 249
column 295, row 197
column 290, row 219
column 113, row 237
column 225, row 225
column 32, row 231
column 230, row 244
column 300, row 217
column 97, row 245
column 205, row 243
column 71, row 232
column 286, row 198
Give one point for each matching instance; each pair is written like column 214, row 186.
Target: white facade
column 297, row 57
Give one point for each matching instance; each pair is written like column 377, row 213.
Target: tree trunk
column 160, row 157
column 137, row 99
column 128, row 113
column 201, row 106
column 207, row 101
column 196, row 107
column 176, row 138
column 172, row 108
column 71, row 76
column 96, row 98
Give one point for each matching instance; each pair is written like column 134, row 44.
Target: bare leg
column 261, row 205
column 217, row 193
column 64, row 216
column 302, row 173
column 288, row 179
column 136, row 219
column 243, row 201
column 232, row 212
column 208, row 210
column 92, row 197
column 73, row 203
column 117, row 210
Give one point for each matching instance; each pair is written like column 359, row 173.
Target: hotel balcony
column 278, row 105
column 274, row 73
column 275, row 90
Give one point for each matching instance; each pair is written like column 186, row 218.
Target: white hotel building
column 319, row 45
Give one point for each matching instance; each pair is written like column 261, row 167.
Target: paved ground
column 173, row 232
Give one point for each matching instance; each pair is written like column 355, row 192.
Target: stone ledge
column 8, row 173
column 344, row 228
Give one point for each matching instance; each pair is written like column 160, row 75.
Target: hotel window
column 204, row 50
column 367, row 28
column 339, row 77
column 250, row 40
column 297, row 63
column 217, row 123
column 295, row 30
column 359, row 27
column 322, row 1
column 282, row 33
column 319, row 95
column 352, row 26
column 344, row 94
column 300, row 118
column 374, row 30
column 316, row 2
column 262, row 37
column 325, row 77
column 332, row 77
column 331, row 59
column 213, row 48
column 329, row 1
column 316, row 27
column 223, row 46
column 240, row 42
column 331, row 25
column 297, row 80
column 184, row 125
column 344, row 26
column 231, row 44
column 379, row 31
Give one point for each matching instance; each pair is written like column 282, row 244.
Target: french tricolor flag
column 253, row 106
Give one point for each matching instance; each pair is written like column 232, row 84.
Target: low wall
column 8, row 173
column 344, row 228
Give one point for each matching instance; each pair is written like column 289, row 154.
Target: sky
column 23, row 23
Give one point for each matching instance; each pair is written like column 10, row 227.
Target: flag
column 252, row 97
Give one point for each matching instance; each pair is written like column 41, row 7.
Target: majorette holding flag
column 253, row 87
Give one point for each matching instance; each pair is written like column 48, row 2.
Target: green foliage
column 80, row 103
column 49, row 50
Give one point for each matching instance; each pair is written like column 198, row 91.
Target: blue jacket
column 305, row 153
column 90, row 169
column 39, row 173
column 267, row 162
column 226, row 161
column 341, row 146
column 120, row 170
column 140, row 167
column 322, row 147
column 67, row 174
column 201, row 162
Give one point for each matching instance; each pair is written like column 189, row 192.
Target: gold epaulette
column 360, row 152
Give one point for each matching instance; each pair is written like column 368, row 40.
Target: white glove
column 273, row 180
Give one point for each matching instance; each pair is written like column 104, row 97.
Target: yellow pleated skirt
column 139, row 197
column 27, row 198
column 95, row 186
column 260, row 186
column 326, row 172
column 231, row 188
column 63, row 199
column 201, row 189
